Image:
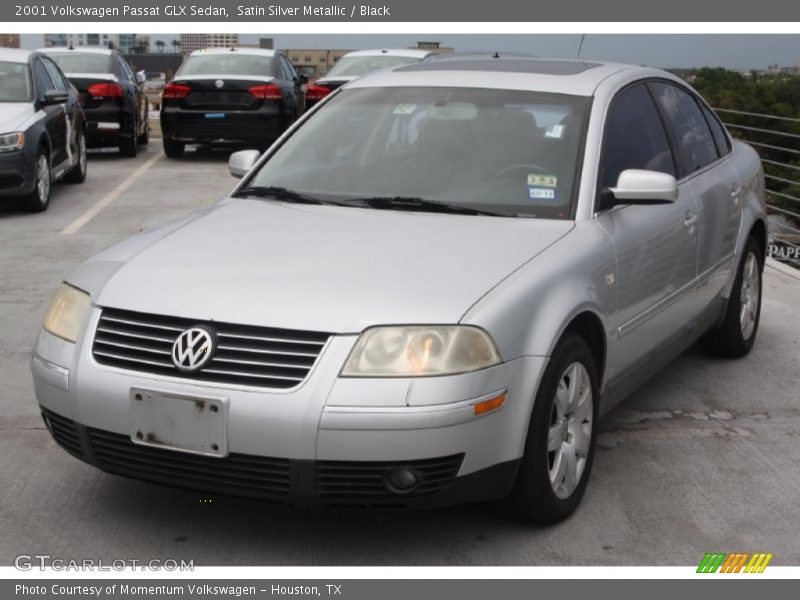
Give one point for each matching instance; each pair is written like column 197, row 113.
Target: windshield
column 508, row 152
column 229, row 63
column 15, row 82
column 356, row 66
column 82, row 62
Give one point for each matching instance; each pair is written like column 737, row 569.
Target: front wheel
column 39, row 199
column 737, row 334
column 561, row 436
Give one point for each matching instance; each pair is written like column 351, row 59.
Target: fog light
column 401, row 480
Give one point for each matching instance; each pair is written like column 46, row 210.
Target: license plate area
column 193, row 424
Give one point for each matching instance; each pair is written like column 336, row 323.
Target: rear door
column 71, row 107
column 55, row 117
column 713, row 182
column 656, row 246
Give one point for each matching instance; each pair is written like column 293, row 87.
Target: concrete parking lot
column 703, row 458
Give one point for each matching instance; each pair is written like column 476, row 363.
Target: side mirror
column 637, row 186
column 303, row 78
column 141, row 77
column 240, row 163
column 55, row 97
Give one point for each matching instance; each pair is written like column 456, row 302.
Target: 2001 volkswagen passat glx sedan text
column 424, row 293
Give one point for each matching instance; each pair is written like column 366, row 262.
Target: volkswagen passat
column 230, row 95
column 426, row 292
column 42, row 129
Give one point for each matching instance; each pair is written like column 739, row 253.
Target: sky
column 733, row 51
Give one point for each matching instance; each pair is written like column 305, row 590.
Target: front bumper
column 17, row 173
column 329, row 442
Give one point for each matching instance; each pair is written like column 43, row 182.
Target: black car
column 42, row 129
column 112, row 95
column 233, row 95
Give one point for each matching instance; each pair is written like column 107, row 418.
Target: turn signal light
column 491, row 404
column 175, row 91
column 105, row 90
column 268, row 91
column 316, row 92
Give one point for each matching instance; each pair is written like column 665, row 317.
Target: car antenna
column 496, row 55
column 580, row 46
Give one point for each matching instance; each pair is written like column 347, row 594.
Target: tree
column 176, row 44
column 160, row 45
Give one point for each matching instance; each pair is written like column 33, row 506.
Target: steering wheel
column 530, row 167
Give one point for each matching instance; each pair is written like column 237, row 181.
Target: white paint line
column 91, row 213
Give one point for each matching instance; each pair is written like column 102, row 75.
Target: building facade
column 315, row 63
column 197, row 41
column 9, row 40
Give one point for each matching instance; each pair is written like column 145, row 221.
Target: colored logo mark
column 734, row 563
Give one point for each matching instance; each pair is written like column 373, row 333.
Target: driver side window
column 634, row 137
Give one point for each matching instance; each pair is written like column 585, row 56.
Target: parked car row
column 428, row 293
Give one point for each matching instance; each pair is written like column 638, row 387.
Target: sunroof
column 504, row 65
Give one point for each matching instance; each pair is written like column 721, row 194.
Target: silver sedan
column 426, row 292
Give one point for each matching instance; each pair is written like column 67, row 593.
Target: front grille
column 237, row 474
column 64, row 432
column 360, row 482
column 244, row 355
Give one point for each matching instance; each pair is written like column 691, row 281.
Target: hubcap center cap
column 564, row 430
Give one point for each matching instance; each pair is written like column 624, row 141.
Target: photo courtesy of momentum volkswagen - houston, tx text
column 385, row 313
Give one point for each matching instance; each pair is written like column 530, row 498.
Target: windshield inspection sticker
column 554, row 131
column 404, row 109
column 542, row 180
column 538, row 193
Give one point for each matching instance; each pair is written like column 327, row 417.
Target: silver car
column 426, row 292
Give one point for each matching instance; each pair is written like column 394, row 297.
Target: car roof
column 575, row 77
column 410, row 52
column 83, row 49
column 15, row 55
column 236, row 49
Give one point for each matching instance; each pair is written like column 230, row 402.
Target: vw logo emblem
column 192, row 349
column 219, row 83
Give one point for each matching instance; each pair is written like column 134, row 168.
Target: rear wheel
column 78, row 173
column 128, row 146
column 561, row 437
column 39, row 199
column 144, row 139
column 737, row 334
column 173, row 149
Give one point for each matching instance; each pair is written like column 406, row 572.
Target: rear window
column 82, row 62
column 15, row 82
column 356, row 66
column 227, row 64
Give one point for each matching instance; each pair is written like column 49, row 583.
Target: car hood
column 320, row 268
column 13, row 115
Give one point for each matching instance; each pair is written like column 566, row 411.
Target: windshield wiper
column 420, row 204
column 280, row 193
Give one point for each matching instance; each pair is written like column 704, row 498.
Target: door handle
column 736, row 194
column 691, row 219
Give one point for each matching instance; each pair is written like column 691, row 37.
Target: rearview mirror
column 240, row 163
column 55, row 97
column 637, row 186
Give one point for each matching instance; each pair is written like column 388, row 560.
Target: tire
column 39, row 199
column 736, row 335
column 173, row 149
column 77, row 174
column 563, row 424
column 144, row 139
column 128, row 146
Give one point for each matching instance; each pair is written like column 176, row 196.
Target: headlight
column 420, row 351
column 12, row 141
column 67, row 313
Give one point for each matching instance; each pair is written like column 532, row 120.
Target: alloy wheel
column 749, row 296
